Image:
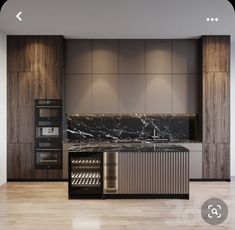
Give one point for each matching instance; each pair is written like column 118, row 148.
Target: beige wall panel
column 105, row 94
column 158, row 56
column 132, row 56
column 184, row 93
column 131, row 94
column 105, row 56
column 185, row 56
column 158, row 93
column 78, row 56
column 79, row 94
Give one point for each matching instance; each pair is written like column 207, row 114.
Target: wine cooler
column 85, row 175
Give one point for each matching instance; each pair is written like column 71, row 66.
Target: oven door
column 48, row 132
column 48, row 159
column 48, row 115
column 45, row 144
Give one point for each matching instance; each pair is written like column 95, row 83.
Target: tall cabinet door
column 215, row 83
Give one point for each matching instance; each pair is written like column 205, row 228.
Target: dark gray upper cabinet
column 131, row 56
column 185, row 56
column 78, row 56
column 105, row 56
column 158, row 56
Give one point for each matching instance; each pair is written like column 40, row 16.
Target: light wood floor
column 45, row 206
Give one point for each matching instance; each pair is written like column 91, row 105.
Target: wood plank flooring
column 45, row 206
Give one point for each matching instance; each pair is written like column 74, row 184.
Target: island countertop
column 126, row 147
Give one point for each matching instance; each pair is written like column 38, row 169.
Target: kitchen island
column 128, row 170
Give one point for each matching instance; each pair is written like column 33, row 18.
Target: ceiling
column 118, row 18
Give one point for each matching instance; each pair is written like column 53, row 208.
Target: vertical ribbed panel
column 153, row 173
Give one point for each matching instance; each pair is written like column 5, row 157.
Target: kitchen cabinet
column 185, row 56
column 195, row 159
column 105, row 94
column 216, row 53
column 184, row 93
column 105, row 56
column 131, row 56
column 158, row 56
column 216, row 161
column 78, row 56
column 35, row 71
column 79, row 93
column 216, row 101
column 131, row 94
column 215, row 106
column 158, row 93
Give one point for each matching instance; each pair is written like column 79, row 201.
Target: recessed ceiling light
column 212, row 19
column 216, row 19
column 208, row 19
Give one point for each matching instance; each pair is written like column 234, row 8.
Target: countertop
column 143, row 146
column 156, row 141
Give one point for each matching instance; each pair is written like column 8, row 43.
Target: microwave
column 48, row 112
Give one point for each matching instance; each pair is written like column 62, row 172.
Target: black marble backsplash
column 130, row 126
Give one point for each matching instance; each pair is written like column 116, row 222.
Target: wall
column 131, row 76
column 232, row 151
column 3, row 109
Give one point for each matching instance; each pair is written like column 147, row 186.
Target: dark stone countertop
column 126, row 147
column 156, row 141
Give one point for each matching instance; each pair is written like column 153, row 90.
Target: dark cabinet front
column 48, row 159
column 48, row 134
column 85, row 175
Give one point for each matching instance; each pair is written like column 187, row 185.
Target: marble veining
column 126, row 147
column 130, row 126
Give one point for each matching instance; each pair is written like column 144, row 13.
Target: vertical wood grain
column 215, row 109
column 35, row 70
column 216, row 161
column 216, row 53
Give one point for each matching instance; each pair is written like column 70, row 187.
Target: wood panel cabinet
column 20, row 161
column 215, row 88
column 21, row 53
column 35, row 70
column 216, row 97
column 216, row 161
column 216, row 53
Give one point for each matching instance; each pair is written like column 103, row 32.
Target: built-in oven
column 48, row 144
column 48, row 132
column 48, row 158
column 48, row 112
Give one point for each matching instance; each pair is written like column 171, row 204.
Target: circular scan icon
column 214, row 211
